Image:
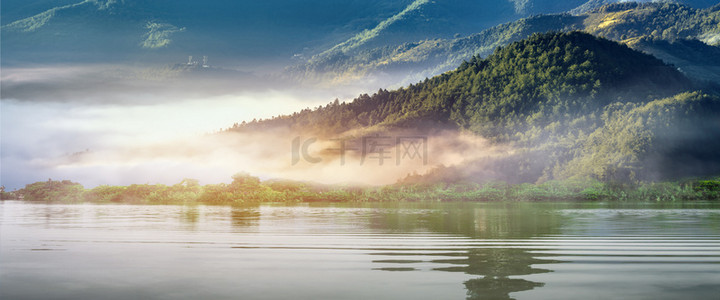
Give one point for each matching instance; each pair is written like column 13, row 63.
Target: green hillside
column 571, row 104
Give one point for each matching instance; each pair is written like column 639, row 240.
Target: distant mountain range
column 251, row 32
column 167, row 31
column 395, row 42
column 684, row 36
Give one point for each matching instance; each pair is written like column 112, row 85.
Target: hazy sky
column 51, row 116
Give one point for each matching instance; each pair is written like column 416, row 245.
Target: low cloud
column 112, row 124
column 272, row 154
column 120, row 125
column 119, row 85
column 88, row 85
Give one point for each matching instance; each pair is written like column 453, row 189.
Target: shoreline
column 245, row 189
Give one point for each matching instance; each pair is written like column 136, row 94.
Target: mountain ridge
column 625, row 22
column 78, row 31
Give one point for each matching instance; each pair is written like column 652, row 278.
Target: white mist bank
column 165, row 143
column 270, row 154
column 97, row 132
column 50, row 114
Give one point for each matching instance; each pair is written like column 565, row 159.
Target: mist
column 119, row 125
column 50, row 113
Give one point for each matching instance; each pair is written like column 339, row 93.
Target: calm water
column 401, row 251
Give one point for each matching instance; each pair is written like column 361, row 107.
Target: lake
column 358, row 251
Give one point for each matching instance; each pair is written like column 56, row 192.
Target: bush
column 60, row 191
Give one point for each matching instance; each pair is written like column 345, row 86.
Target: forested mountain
column 529, row 75
column 571, row 104
column 640, row 26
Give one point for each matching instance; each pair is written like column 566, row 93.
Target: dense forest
column 572, row 104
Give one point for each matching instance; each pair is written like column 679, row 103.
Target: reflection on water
column 190, row 215
column 494, row 264
column 380, row 251
column 245, row 217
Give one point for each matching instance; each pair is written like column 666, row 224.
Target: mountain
column 425, row 19
column 569, row 104
column 428, row 20
column 631, row 23
column 692, row 57
column 414, row 61
column 545, row 67
column 677, row 34
column 669, row 21
column 169, row 30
